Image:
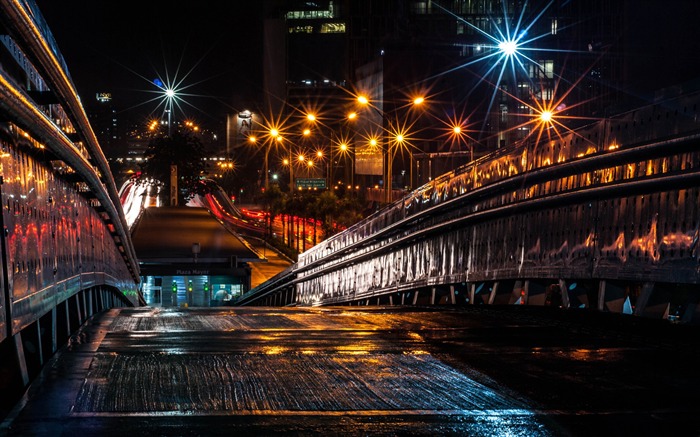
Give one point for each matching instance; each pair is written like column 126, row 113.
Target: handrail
column 17, row 105
column 29, row 36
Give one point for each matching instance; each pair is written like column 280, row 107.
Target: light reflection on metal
column 91, row 162
column 437, row 259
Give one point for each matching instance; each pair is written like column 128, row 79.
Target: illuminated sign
column 317, row 183
column 103, row 97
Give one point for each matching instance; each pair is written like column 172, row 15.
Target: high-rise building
column 105, row 122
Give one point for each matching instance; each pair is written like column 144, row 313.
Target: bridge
column 490, row 301
column 604, row 217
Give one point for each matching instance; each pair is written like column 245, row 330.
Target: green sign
column 311, row 183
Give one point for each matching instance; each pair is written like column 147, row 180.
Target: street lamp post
column 396, row 138
column 170, row 94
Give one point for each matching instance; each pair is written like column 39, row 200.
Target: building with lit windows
column 105, row 122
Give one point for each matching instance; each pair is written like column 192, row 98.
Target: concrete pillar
column 472, row 293
column 67, row 315
column 78, row 309
column 102, row 298
column 519, row 294
column 650, row 307
column 83, row 301
column 613, row 297
column 39, row 342
column 432, row 295
column 453, row 299
column 415, row 297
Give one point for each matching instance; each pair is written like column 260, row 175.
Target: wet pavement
column 482, row 371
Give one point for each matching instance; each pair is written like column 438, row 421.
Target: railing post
column 564, row 293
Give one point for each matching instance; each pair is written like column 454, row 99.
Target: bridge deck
column 354, row 371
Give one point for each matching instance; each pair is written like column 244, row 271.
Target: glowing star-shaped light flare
column 508, row 48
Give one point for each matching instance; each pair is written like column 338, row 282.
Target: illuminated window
column 333, row 28
column 301, row 29
column 420, row 7
column 544, row 69
column 545, row 94
column 312, row 14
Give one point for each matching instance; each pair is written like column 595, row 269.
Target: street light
column 396, row 137
column 170, row 96
column 344, row 151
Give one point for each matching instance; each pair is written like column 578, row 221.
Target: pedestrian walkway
column 274, row 263
column 366, row 371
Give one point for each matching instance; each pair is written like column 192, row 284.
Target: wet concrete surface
column 368, row 371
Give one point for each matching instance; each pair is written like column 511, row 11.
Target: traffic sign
column 317, row 183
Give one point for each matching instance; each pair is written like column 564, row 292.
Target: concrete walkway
column 357, row 371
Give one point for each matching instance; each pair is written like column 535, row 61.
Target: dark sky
column 120, row 46
column 215, row 48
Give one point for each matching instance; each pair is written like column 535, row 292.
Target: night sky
column 122, row 46
column 216, row 47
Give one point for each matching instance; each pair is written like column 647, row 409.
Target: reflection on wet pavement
column 333, row 371
column 281, row 362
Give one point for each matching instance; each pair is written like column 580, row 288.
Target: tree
column 274, row 203
column 182, row 150
column 327, row 208
column 350, row 211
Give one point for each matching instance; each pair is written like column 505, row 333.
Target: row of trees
column 333, row 210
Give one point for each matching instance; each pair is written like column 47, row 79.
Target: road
column 486, row 371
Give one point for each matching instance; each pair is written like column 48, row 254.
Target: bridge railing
column 65, row 249
column 607, row 137
column 603, row 203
